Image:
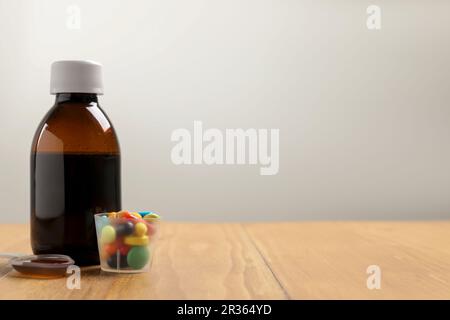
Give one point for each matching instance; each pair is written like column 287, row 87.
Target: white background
column 363, row 115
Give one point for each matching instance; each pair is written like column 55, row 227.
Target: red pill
column 123, row 249
column 151, row 228
column 129, row 216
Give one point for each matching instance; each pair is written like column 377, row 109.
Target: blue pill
column 125, row 229
column 144, row 213
column 117, row 261
column 101, row 222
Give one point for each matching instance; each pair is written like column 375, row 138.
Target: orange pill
column 110, row 249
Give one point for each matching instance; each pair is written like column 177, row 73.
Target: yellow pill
column 108, row 234
column 136, row 241
column 137, row 215
column 140, row 229
column 151, row 217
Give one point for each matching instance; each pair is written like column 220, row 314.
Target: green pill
column 138, row 257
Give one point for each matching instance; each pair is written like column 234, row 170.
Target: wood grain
column 192, row 261
column 286, row 260
column 328, row 260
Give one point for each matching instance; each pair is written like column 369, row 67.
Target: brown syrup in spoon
column 43, row 265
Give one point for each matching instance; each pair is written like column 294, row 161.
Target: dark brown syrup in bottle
column 75, row 173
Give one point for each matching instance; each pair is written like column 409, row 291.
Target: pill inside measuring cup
column 42, row 265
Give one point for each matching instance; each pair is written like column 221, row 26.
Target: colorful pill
column 151, row 228
column 124, row 228
column 136, row 214
column 101, row 221
column 129, row 216
column 136, row 241
column 117, row 261
column 124, row 249
column 121, row 246
column 108, row 234
column 138, row 257
column 151, row 217
column 110, row 249
column 140, row 229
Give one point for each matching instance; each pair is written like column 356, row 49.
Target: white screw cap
column 76, row 76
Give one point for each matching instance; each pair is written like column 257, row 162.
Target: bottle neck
column 76, row 97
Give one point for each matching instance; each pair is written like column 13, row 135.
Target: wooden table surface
column 288, row 260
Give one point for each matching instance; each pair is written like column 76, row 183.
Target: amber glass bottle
column 75, row 165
